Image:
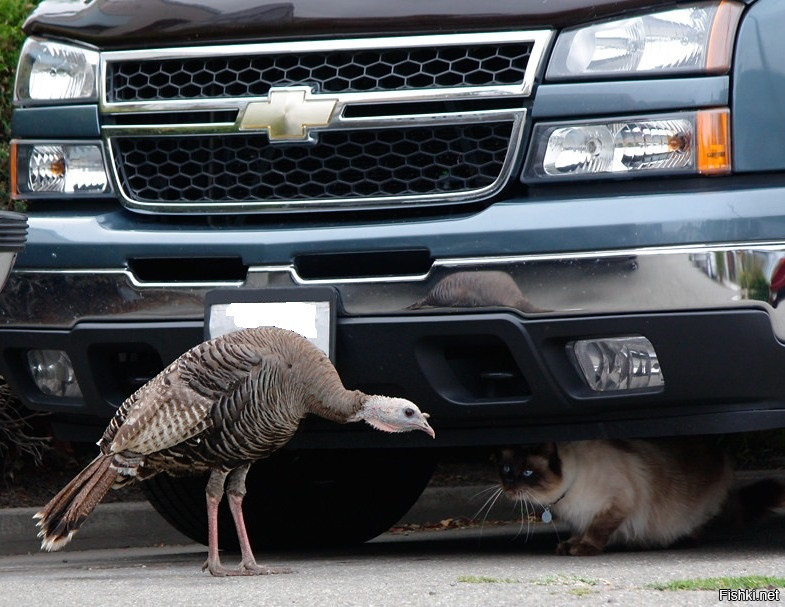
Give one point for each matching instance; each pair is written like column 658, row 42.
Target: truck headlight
column 693, row 38
column 55, row 72
column 684, row 142
column 57, row 168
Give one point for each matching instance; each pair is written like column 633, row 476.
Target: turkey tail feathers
column 67, row 511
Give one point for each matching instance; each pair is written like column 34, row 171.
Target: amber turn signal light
column 713, row 139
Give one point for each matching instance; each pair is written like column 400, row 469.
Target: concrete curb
column 119, row 525
column 137, row 524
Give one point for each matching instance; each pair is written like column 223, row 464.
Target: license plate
column 310, row 311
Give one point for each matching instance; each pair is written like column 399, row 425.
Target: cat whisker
column 520, row 527
column 486, row 490
column 496, row 497
column 489, row 502
column 528, row 519
column 526, row 514
column 485, row 503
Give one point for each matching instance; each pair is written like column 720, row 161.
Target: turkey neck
column 333, row 402
column 322, row 387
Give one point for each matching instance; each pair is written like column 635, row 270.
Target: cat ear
column 503, row 454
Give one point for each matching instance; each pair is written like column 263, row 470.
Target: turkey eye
column 408, row 412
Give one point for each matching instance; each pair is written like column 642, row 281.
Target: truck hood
column 115, row 24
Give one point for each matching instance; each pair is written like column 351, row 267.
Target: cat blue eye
column 528, row 472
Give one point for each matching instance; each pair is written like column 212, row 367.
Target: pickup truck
column 537, row 220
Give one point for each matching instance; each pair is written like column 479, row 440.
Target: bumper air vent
column 188, row 269
column 337, row 266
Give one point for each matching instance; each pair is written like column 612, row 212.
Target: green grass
column 566, row 579
column 484, row 579
column 750, row 582
column 579, row 585
column 580, row 591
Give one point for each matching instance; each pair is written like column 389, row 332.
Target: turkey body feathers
column 185, row 399
column 224, row 403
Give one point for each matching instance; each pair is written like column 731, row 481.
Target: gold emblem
column 288, row 113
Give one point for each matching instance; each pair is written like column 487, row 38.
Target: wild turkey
column 219, row 407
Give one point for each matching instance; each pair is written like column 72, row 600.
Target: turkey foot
column 235, row 493
column 245, row 568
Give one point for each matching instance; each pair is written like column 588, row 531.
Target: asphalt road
column 493, row 565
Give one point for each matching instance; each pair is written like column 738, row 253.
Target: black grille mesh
column 343, row 164
column 333, row 72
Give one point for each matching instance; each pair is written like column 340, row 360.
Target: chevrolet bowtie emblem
column 288, row 113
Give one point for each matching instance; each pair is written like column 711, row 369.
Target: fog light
column 53, row 373
column 617, row 363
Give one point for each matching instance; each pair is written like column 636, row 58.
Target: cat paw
column 563, row 549
column 577, row 548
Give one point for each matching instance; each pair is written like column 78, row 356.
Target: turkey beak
column 425, row 426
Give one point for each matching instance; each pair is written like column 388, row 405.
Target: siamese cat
column 646, row 493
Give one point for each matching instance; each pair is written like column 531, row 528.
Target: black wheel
column 305, row 499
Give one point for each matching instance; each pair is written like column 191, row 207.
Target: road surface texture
column 491, row 565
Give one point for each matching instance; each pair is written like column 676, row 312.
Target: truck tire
column 304, row 499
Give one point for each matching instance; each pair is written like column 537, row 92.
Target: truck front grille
column 343, row 164
column 367, row 123
column 329, row 71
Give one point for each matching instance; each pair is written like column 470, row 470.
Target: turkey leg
column 235, row 490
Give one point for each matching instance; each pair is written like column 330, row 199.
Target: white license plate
column 308, row 311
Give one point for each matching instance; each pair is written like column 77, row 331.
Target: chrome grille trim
column 516, row 113
column 338, row 122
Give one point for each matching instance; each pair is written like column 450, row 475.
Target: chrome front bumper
column 646, row 280
column 479, row 341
